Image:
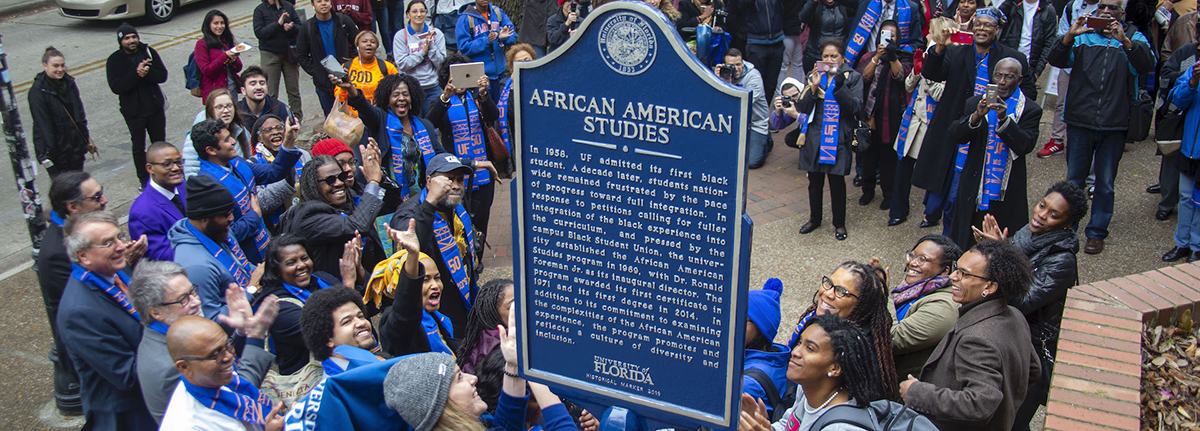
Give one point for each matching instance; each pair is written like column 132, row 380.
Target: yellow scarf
column 385, row 277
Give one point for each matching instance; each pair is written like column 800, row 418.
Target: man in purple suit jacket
column 161, row 203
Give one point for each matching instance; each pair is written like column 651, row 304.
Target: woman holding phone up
column 833, row 89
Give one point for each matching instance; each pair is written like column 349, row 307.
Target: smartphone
column 826, row 67
column 334, row 68
column 963, row 37
column 1098, row 24
column 466, row 75
column 993, row 94
column 885, row 36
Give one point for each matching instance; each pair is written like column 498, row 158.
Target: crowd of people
column 256, row 272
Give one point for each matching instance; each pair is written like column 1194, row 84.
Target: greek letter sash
column 902, row 138
column 239, row 179
column 233, row 260
column 995, row 160
column 503, row 105
column 116, row 289
column 867, row 25
column 430, row 322
column 800, row 328
column 239, row 400
column 396, row 136
column 448, row 247
column 830, row 116
column 303, row 294
column 468, row 134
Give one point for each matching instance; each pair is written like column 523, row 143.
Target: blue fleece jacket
column 1186, row 99
column 774, row 365
column 473, row 40
column 203, row 270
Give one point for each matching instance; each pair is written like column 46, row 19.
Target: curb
column 8, row 11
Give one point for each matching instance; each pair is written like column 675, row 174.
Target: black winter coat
column 1055, row 270
column 287, row 341
column 823, row 23
column 310, row 50
column 271, row 36
column 1020, row 138
column 557, row 33
column 400, row 322
column 326, row 230
column 1104, row 101
column 55, row 136
column 533, row 22
column 849, row 96
column 139, row 95
column 437, row 115
column 1045, row 31
column 689, row 14
column 955, row 67
column 760, row 19
column 424, row 214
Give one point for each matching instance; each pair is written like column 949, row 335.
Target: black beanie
column 124, row 30
column 206, row 198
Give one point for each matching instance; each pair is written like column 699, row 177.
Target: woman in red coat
column 218, row 63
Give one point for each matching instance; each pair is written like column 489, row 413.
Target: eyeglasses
column 183, row 300
column 228, row 348
column 97, row 197
column 1109, row 7
column 122, row 237
column 223, row 108
column 986, row 24
column 955, row 268
column 276, row 128
column 920, row 259
column 169, row 163
column 333, row 179
column 839, row 291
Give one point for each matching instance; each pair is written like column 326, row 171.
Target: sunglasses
column 333, row 179
column 97, row 197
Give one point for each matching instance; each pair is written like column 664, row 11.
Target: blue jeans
column 380, row 10
column 396, row 14
column 326, row 98
column 539, row 50
column 1187, row 227
column 447, row 23
column 430, row 95
column 1102, row 151
column 757, row 149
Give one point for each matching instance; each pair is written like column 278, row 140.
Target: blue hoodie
column 774, row 364
column 203, row 270
column 473, row 42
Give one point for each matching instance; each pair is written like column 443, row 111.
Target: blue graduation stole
column 234, row 261
column 800, row 328
column 239, row 179
column 56, row 219
column 396, row 136
column 867, row 24
column 995, row 160
column 242, row 401
column 261, row 159
column 356, row 356
column 448, row 247
column 981, row 83
column 468, row 134
column 430, row 322
column 303, row 294
column 902, row 139
column 117, row 289
column 830, row 117
column 503, row 105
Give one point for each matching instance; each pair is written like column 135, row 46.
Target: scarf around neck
column 233, row 260
column 903, row 295
column 239, row 400
column 118, row 288
column 398, row 138
column 239, row 180
column 467, row 130
column 867, row 25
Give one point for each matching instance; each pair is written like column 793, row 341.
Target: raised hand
column 243, row 318
column 350, row 264
column 135, row 250
column 406, row 239
column 370, row 167
column 754, row 415
column 292, row 131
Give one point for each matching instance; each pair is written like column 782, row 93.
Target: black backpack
column 780, row 403
column 880, row 415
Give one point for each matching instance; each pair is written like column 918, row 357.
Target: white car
column 154, row 11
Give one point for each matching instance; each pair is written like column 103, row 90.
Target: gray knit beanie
column 417, row 387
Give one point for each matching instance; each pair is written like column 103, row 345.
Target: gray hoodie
column 751, row 80
column 203, row 270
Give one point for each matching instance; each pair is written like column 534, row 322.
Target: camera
column 726, row 71
column 575, row 10
column 719, row 17
column 787, row 101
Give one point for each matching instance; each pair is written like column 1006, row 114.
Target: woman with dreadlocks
column 834, row 365
column 855, row 292
column 489, row 311
column 326, row 216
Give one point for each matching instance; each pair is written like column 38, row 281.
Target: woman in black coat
column 848, row 94
column 1050, row 242
column 60, row 132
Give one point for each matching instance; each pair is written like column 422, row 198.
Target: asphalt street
column 777, row 191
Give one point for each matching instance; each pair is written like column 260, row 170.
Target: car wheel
column 160, row 10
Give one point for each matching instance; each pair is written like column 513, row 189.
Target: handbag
column 862, row 137
column 496, row 151
column 1168, row 127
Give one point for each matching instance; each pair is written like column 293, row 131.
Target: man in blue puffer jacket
column 483, row 32
column 1187, row 229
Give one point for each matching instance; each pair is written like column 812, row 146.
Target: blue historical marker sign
column 632, row 248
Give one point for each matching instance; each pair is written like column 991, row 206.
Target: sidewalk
column 9, row 8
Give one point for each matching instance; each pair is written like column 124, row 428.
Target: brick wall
column 1097, row 375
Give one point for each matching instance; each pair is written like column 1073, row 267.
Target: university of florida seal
column 627, row 43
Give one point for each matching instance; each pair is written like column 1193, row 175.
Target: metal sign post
column 24, row 168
